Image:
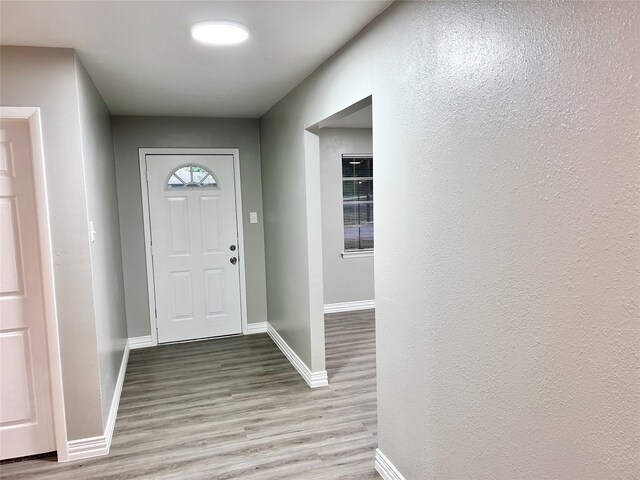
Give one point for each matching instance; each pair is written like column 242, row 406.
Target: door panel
column 26, row 422
column 212, row 232
column 18, row 402
column 178, row 225
column 10, row 259
column 192, row 229
column 214, row 284
column 182, row 296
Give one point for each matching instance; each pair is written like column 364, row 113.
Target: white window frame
column 213, row 186
column 364, row 252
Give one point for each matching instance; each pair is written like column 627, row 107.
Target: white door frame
column 142, row 154
column 32, row 115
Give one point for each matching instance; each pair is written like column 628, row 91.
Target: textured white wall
column 506, row 140
column 345, row 279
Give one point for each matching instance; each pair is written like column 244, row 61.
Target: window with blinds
column 357, row 202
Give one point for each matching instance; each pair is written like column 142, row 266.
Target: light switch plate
column 253, row 217
column 92, row 232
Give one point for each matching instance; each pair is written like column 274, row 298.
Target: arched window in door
column 191, row 175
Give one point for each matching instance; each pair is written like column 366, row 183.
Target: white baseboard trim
column 140, row 342
column 260, row 327
column 313, row 379
column 98, row 446
column 385, row 468
column 115, row 402
column 349, row 306
column 86, row 448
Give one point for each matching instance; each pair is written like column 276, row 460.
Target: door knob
column 233, row 260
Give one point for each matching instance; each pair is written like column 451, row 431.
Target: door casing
column 142, row 155
column 32, row 115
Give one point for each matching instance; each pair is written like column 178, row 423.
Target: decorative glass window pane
column 174, row 182
column 208, row 181
column 198, row 173
column 357, row 202
column 184, row 174
column 191, row 176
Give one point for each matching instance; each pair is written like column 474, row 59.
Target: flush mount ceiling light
column 219, row 32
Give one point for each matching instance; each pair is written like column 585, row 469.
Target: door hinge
column 156, row 312
column 146, row 175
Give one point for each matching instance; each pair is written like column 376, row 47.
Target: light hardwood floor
column 234, row 408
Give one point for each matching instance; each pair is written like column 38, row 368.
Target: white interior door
column 26, row 424
column 194, row 243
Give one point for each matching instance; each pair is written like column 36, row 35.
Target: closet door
column 26, row 424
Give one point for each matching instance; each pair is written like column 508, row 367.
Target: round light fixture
column 219, row 32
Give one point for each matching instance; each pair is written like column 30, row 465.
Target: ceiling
column 143, row 61
column 358, row 119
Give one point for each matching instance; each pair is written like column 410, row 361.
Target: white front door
column 26, row 424
column 194, row 244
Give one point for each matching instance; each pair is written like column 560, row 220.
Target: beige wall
column 79, row 164
column 506, row 146
column 345, row 279
column 132, row 133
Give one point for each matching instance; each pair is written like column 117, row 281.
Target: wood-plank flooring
column 234, row 408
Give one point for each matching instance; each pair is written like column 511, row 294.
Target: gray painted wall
column 46, row 78
column 506, row 148
column 132, row 133
column 345, row 279
column 79, row 165
column 290, row 226
column 106, row 255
